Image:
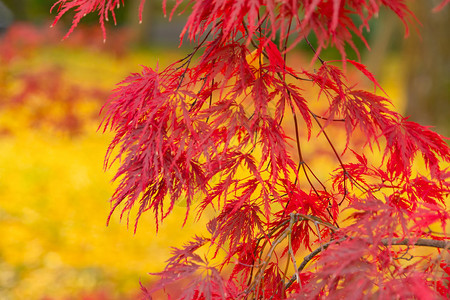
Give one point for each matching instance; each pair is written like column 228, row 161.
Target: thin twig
column 308, row 258
column 335, row 153
column 189, row 59
column 291, row 251
column 314, row 50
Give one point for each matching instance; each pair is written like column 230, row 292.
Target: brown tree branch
column 420, row 242
column 386, row 242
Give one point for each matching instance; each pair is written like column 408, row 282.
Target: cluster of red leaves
column 84, row 7
column 213, row 126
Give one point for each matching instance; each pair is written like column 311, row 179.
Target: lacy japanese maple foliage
column 216, row 126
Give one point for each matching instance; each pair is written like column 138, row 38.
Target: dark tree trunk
column 155, row 30
column 140, row 30
column 428, row 68
column 18, row 7
column 6, row 17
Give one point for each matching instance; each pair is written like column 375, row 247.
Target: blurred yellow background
column 53, row 191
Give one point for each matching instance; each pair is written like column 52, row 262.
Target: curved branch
column 307, row 259
column 420, row 242
column 394, row 242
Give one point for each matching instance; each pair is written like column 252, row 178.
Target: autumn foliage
column 224, row 129
column 42, row 94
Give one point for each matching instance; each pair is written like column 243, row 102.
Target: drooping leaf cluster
column 224, row 129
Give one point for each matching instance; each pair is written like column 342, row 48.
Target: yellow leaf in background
column 55, row 201
column 255, row 60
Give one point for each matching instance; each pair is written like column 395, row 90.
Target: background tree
column 428, row 65
column 6, row 18
column 212, row 130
